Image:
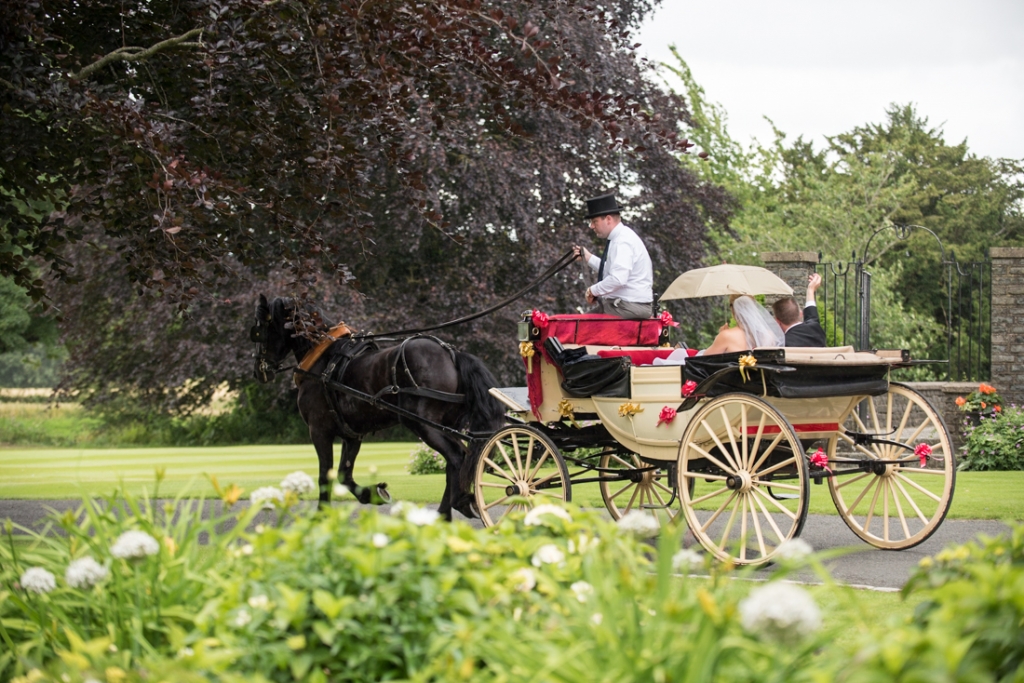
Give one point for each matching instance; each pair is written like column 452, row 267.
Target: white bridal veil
column 757, row 323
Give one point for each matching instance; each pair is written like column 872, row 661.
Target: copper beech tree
column 396, row 162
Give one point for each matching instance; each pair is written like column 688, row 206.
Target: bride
column 756, row 327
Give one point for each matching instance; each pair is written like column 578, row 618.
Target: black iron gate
column 845, row 303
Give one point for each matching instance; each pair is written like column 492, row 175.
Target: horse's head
column 271, row 334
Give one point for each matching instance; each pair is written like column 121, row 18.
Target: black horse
column 421, row 376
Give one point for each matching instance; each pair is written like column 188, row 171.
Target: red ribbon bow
column 666, row 415
column 540, row 319
column 666, row 319
column 923, row 451
column 688, row 387
column 819, row 459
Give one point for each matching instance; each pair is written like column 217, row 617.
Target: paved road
column 867, row 566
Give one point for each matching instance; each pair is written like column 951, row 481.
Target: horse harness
column 333, row 377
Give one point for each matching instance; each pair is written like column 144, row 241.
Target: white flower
column 298, row 483
column 793, row 550
column 585, row 543
column 639, row 524
column 242, row 618
column 400, row 508
column 547, row 554
column 259, row 602
column 583, row 590
column 38, row 580
column 524, row 579
column 422, row 516
column 85, row 573
column 266, row 496
column 686, row 560
column 780, row 611
column 185, row 652
column 134, row 544
column 596, row 618
column 533, row 517
column 380, row 540
column 340, row 490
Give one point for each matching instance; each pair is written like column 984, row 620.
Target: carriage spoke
column 505, row 457
column 899, row 509
column 783, row 509
column 853, row 480
column 619, row 492
column 519, row 460
column 497, row 469
column 709, row 496
column 632, row 498
column 856, row 502
column 718, row 512
column 497, row 502
column 491, row 485
column 733, row 446
column 920, row 428
column 885, row 509
column 743, row 528
column 937, row 498
column 728, row 527
column 922, row 470
column 658, row 486
column 873, row 506
column 712, row 459
column 757, row 440
column 776, row 466
column 910, row 500
column 767, row 515
column 721, row 447
column 768, row 451
column 757, row 528
column 705, row 476
column 540, row 463
column 744, row 448
column 777, row 485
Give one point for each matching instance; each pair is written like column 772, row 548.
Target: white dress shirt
column 628, row 273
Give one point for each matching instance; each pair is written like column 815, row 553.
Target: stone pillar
column 1008, row 322
column 792, row 266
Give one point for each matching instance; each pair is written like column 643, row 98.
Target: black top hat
column 602, row 206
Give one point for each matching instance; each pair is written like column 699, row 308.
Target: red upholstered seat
column 642, row 356
column 602, row 330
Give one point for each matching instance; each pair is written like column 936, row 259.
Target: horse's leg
column 454, row 453
column 323, row 442
column 349, row 451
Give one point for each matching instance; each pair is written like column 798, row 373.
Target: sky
column 821, row 67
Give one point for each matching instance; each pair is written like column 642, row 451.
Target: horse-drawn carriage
column 732, row 442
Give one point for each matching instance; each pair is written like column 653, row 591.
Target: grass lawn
column 71, row 473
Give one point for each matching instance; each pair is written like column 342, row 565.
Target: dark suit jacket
column 807, row 333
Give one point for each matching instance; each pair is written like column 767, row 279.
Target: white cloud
column 822, row 68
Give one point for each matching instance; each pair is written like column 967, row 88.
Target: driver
column 625, row 277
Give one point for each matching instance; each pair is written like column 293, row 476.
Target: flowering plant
column 985, row 399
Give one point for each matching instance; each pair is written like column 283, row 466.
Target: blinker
column 258, row 334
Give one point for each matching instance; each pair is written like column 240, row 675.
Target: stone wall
column 1008, row 322
column 793, row 267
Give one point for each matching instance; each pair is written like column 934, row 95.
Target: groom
column 802, row 328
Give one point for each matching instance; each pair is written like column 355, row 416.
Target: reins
column 549, row 273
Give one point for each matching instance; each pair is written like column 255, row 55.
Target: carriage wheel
column 518, row 462
column 647, row 490
column 899, row 505
column 742, row 476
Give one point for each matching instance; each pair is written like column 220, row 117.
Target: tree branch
column 134, row 54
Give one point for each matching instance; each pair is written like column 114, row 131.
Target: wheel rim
column 750, row 475
column 894, row 506
column 649, row 491
column 516, row 464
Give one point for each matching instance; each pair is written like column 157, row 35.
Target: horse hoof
column 383, row 496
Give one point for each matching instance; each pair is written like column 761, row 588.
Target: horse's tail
column 484, row 413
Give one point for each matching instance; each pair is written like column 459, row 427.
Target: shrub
column 984, row 400
column 996, row 443
column 425, row 460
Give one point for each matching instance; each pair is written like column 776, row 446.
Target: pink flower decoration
column 688, row 387
column 923, row 451
column 666, row 319
column 819, row 459
column 667, row 414
column 540, row 319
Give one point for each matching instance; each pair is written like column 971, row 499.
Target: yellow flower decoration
column 630, row 409
column 746, row 362
column 566, row 410
column 527, row 351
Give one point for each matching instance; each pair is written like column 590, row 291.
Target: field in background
column 72, row 473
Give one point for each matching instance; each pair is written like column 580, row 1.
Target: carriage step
column 516, row 399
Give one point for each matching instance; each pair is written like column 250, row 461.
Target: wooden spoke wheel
column 519, row 467
column 889, row 498
column 742, row 476
column 642, row 487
